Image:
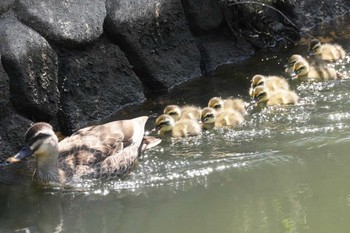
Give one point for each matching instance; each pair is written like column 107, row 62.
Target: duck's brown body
column 96, row 152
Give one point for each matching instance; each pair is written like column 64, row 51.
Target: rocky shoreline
column 73, row 62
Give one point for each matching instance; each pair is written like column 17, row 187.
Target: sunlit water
column 284, row 170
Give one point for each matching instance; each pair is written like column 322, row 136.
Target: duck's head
column 164, row 123
column 216, row 102
column 174, row 111
column 41, row 141
column 261, row 94
column 314, row 47
column 292, row 60
column 301, row 68
column 257, row 80
column 208, row 115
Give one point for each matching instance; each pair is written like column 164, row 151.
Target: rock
column 311, row 12
column 5, row 104
column 70, row 23
column 13, row 128
column 156, row 39
column 96, row 82
column 5, row 5
column 217, row 50
column 31, row 65
column 203, row 16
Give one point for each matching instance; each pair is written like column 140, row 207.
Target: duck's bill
column 22, row 154
column 293, row 75
column 150, row 141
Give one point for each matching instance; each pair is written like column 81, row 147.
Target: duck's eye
column 36, row 141
column 172, row 113
column 216, row 106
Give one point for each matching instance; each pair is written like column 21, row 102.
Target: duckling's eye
column 161, row 124
column 216, row 106
column 261, row 95
column 260, row 83
column 314, row 49
column 291, row 64
column 207, row 117
column 297, row 71
column 172, row 113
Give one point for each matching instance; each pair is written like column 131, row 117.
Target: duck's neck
column 46, row 167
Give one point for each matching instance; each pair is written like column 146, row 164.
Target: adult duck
column 100, row 152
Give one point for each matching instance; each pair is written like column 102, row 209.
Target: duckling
column 208, row 118
column 231, row 103
column 304, row 72
column 326, row 51
column 280, row 97
column 228, row 117
column 184, row 112
column 166, row 125
column 213, row 119
column 291, row 61
column 96, row 152
column 272, row 83
column 174, row 111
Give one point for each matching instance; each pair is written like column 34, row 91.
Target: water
column 283, row 170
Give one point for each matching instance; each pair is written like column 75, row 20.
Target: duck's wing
column 102, row 150
column 79, row 153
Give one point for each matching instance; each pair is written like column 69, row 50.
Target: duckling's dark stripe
column 260, row 95
column 210, row 115
column 162, row 124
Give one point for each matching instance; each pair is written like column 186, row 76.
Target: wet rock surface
column 157, row 41
column 32, row 66
column 70, row 23
column 75, row 62
column 96, row 82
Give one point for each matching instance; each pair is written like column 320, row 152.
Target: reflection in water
column 283, row 170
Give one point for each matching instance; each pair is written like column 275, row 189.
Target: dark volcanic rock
column 261, row 22
column 156, row 39
column 69, row 22
column 96, row 82
column 4, row 93
column 313, row 12
column 31, row 65
column 273, row 23
column 218, row 50
column 204, row 16
column 13, row 129
column 5, row 5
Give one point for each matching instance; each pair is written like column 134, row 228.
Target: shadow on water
column 284, row 170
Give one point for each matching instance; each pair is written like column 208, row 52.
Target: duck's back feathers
column 100, row 148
